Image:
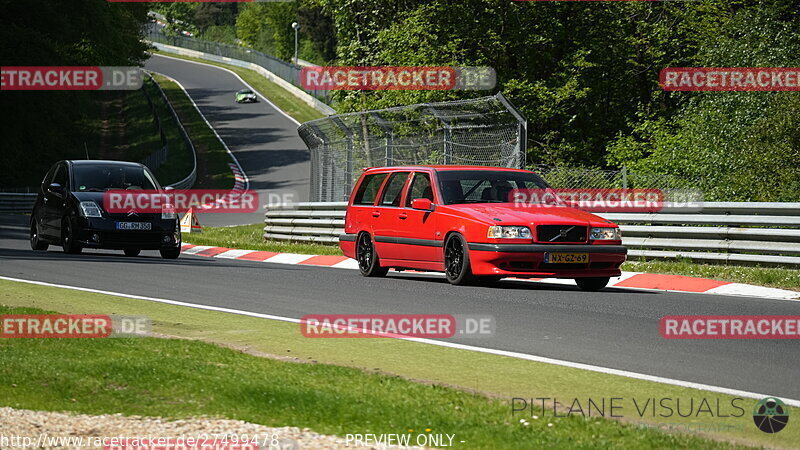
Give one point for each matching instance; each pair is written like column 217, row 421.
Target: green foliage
column 267, row 27
column 586, row 76
column 219, row 33
column 39, row 128
column 735, row 145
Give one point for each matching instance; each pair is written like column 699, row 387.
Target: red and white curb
column 634, row 280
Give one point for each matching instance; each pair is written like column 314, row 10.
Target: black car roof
column 89, row 162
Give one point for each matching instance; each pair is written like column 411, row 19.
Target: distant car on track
column 69, row 211
column 459, row 220
column 246, row 96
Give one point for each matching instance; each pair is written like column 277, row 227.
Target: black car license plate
column 144, row 226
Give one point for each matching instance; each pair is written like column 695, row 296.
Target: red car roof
column 445, row 167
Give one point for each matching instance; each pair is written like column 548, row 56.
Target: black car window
column 368, row 189
column 60, row 176
column 420, row 188
column 48, row 178
column 394, row 189
column 103, row 177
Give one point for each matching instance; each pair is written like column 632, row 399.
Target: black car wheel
column 68, row 237
column 456, row 261
column 170, row 253
column 132, row 252
column 36, row 242
column 367, row 257
column 592, row 284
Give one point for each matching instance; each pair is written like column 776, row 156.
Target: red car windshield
column 484, row 186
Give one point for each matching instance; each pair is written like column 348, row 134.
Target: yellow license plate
column 556, row 258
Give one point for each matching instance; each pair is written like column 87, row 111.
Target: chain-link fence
column 565, row 177
column 487, row 131
column 287, row 71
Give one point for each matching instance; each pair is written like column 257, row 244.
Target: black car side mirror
column 55, row 188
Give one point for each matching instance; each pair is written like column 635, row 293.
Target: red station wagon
column 460, row 220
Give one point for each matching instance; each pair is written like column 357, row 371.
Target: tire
column 68, row 237
column 132, row 252
column 456, row 261
column 170, row 253
column 36, row 242
column 592, row 284
column 368, row 262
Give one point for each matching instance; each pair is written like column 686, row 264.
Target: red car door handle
column 403, row 216
column 376, row 213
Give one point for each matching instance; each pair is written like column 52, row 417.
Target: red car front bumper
column 527, row 260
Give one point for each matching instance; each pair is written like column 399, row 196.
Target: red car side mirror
column 422, row 203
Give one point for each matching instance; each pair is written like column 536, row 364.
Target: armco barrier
column 728, row 232
column 292, row 89
column 16, row 203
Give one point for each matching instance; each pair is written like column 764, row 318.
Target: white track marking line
column 233, row 254
column 346, row 264
column 196, row 249
column 227, row 149
column 754, row 291
column 524, row 356
column 240, row 79
column 288, row 258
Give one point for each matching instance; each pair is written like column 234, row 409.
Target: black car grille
column 553, row 233
column 137, row 217
column 131, row 238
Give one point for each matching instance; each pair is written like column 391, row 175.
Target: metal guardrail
column 190, row 179
column 727, row 232
column 16, row 203
column 284, row 70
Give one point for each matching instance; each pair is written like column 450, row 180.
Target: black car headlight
column 91, row 209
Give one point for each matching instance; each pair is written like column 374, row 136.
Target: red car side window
column 420, row 188
column 393, row 191
column 368, row 189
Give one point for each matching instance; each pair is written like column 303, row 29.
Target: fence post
column 522, row 134
column 624, row 177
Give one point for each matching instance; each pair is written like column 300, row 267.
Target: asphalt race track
column 616, row 328
column 264, row 141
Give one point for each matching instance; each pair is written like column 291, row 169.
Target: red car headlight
column 509, row 232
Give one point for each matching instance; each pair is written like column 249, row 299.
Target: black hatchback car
column 69, row 211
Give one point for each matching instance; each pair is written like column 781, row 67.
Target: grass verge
column 179, row 157
column 282, row 98
column 213, row 171
column 371, row 393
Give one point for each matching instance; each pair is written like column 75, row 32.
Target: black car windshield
column 102, row 177
column 245, row 91
column 484, row 186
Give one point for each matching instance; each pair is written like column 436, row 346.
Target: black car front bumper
column 103, row 233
